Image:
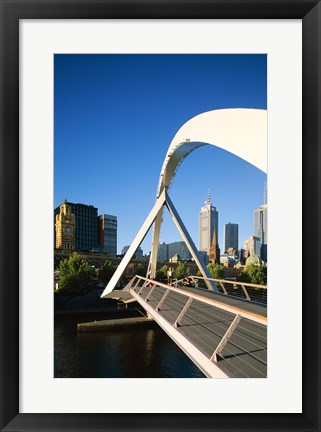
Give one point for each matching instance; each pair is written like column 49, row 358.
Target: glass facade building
column 260, row 229
column 231, row 236
column 107, row 233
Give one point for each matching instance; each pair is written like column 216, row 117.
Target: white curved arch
column 240, row 131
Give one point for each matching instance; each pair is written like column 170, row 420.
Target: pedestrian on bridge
column 169, row 276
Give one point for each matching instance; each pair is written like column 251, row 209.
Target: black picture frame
column 11, row 12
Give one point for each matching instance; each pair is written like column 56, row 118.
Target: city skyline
column 115, row 116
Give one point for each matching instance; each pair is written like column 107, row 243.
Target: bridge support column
column 190, row 244
column 151, row 272
column 135, row 244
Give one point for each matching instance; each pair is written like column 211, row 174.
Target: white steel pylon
column 155, row 215
column 240, row 131
column 135, row 244
column 151, row 272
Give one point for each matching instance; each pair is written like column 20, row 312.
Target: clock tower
column 65, row 228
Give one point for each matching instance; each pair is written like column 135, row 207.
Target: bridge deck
column 245, row 353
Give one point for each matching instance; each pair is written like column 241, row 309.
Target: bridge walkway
column 205, row 321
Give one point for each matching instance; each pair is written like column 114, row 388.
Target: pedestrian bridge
column 224, row 334
column 223, row 328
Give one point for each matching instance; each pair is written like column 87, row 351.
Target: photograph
column 160, row 216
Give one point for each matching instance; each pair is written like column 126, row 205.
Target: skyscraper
column 208, row 221
column 260, row 226
column 107, row 233
column 260, row 223
column 231, row 236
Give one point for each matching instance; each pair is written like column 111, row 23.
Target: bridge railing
column 145, row 287
column 246, row 291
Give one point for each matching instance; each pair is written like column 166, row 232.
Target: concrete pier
column 104, row 325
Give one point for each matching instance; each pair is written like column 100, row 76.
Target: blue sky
column 115, row 117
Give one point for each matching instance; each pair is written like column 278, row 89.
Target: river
column 131, row 352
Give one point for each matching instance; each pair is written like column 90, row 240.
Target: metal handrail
column 230, row 282
column 234, row 310
column 249, row 291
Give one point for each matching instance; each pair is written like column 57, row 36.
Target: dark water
column 143, row 352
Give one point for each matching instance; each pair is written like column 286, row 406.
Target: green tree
column 141, row 269
column 76, row 275
column 253, row 274
column 244, row 277
column 106, row 271
column 257, row 274
column 180, row 272
column 200, row 283
column 216, row 270
column 162, row 273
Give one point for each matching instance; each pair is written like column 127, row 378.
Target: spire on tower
column 265, row 193
column 208, row 200
column 214, row 250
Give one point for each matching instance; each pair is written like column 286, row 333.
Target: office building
column 162, row 252
column 246, row 249
column 231, row 236
column 107, row 234
column 260, row 223
column 179, row 248
column 208, row 221
column 138, row 253
column 86, row 228
column 260, row 228
column 204, row 257
column 168, row 251
column 252, row 246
